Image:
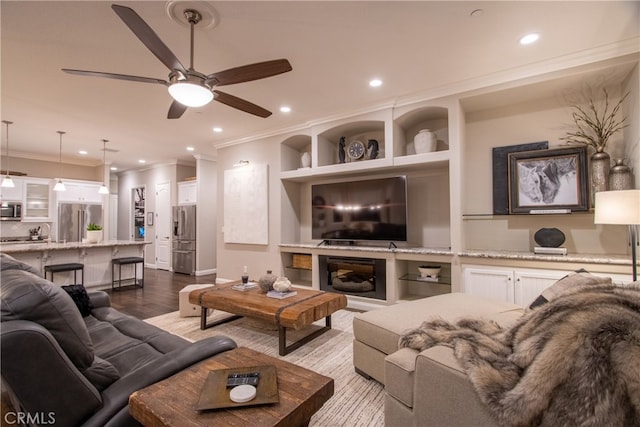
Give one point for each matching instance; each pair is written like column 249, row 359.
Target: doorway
column 163, row 226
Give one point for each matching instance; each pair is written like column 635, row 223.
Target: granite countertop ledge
column 9, row 248
column 513, row 255
column 530, row 256
column 381, row 249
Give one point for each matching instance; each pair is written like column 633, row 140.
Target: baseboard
column 221, row 280
column 205, row 272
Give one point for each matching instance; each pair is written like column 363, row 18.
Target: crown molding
column 623, row 51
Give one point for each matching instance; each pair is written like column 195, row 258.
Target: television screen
column 374, row 209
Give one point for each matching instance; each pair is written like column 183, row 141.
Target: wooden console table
column 296, row 312
column 172, row 402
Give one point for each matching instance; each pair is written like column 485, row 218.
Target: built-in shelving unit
column 450, row 189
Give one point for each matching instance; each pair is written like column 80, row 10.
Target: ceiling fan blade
column 240, row 104
column 148, row 37
column 176, row 110
column 115, row 76
column 250, row 72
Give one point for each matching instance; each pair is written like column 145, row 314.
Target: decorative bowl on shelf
column 429, row 270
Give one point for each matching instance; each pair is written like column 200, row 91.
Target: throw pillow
column 80, row 297
column 579, row 277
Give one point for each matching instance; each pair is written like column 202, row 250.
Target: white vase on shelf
column 425, row 141
column 305, row 159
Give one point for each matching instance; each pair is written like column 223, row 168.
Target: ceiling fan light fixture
column 190, row 94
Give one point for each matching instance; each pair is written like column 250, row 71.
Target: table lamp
column 620, row 207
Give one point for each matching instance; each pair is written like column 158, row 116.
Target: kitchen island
column 96, row 258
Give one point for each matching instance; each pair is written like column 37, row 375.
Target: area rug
column 356, row 401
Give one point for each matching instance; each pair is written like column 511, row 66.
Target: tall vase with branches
column 595, row 123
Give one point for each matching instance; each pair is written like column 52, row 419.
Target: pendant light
column 7, row 182
column 103, row 188
column 60, row 185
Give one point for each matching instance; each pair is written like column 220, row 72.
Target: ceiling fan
column 188, row 87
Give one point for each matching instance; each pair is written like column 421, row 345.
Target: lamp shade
column 7, row 182
column 190, row 94
column 617, row 207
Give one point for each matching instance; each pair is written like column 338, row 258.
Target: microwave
column 11, row 211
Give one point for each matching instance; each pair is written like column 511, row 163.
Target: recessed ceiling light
column 529, row 38
column 190, row 148
column 375, row 83
column 82, row 152
column 142, row 161
column 285, row 109
column 113, row 168
column 217, row 129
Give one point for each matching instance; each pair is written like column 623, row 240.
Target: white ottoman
column 186, row 308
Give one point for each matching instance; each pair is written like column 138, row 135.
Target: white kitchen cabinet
column 80, row 193
column 37, row 200
column 187, row 193
column 13, row 194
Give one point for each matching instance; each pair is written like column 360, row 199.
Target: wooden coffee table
column 172, row 402
column 296, row 312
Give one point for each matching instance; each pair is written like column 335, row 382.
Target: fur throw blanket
column 574, row 361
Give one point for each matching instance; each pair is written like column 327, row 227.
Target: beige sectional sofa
column 429, row 387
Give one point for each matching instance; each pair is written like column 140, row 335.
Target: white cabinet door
column 187, row 193
column 494, row 284
column 80, row 193
column 37, row 197
column 528, row 284
column 13, row 194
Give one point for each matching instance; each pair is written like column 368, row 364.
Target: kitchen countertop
column 16, row 247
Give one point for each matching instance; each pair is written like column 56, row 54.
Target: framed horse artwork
column 548, row 181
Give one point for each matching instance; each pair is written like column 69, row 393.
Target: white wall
column 206, row 218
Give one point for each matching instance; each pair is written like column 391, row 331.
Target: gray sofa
column 427, row 388
column 564, row 360
column 75, row 370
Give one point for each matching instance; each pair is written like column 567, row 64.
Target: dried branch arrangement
column 594, row 127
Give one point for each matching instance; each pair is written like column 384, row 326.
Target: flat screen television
column 373, row 209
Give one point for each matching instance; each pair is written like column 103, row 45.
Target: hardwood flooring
column 159, row 295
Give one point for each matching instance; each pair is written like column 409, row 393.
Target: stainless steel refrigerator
column 184, row 239
column 73, row 219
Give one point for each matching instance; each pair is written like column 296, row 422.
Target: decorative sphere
column 549, row 237
column 282, row 284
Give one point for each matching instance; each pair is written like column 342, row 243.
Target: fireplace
column 363, row 277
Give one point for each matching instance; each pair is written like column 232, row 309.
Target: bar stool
column 71, row 266
column 127, row 261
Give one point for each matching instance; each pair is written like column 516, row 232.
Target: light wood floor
column 159, row 295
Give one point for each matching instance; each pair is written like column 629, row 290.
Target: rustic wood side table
column 172, row 402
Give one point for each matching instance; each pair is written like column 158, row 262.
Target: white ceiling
column 335, row 48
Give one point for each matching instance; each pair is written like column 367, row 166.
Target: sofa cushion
column 579, row 277
column 127, row 342
column 382, row 328
column 27, row 296
column 400, row 366
column 101, row 373
column 80, row 298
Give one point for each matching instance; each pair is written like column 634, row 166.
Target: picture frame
column 500, row 157
column 548, row 181
column 149, row 218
